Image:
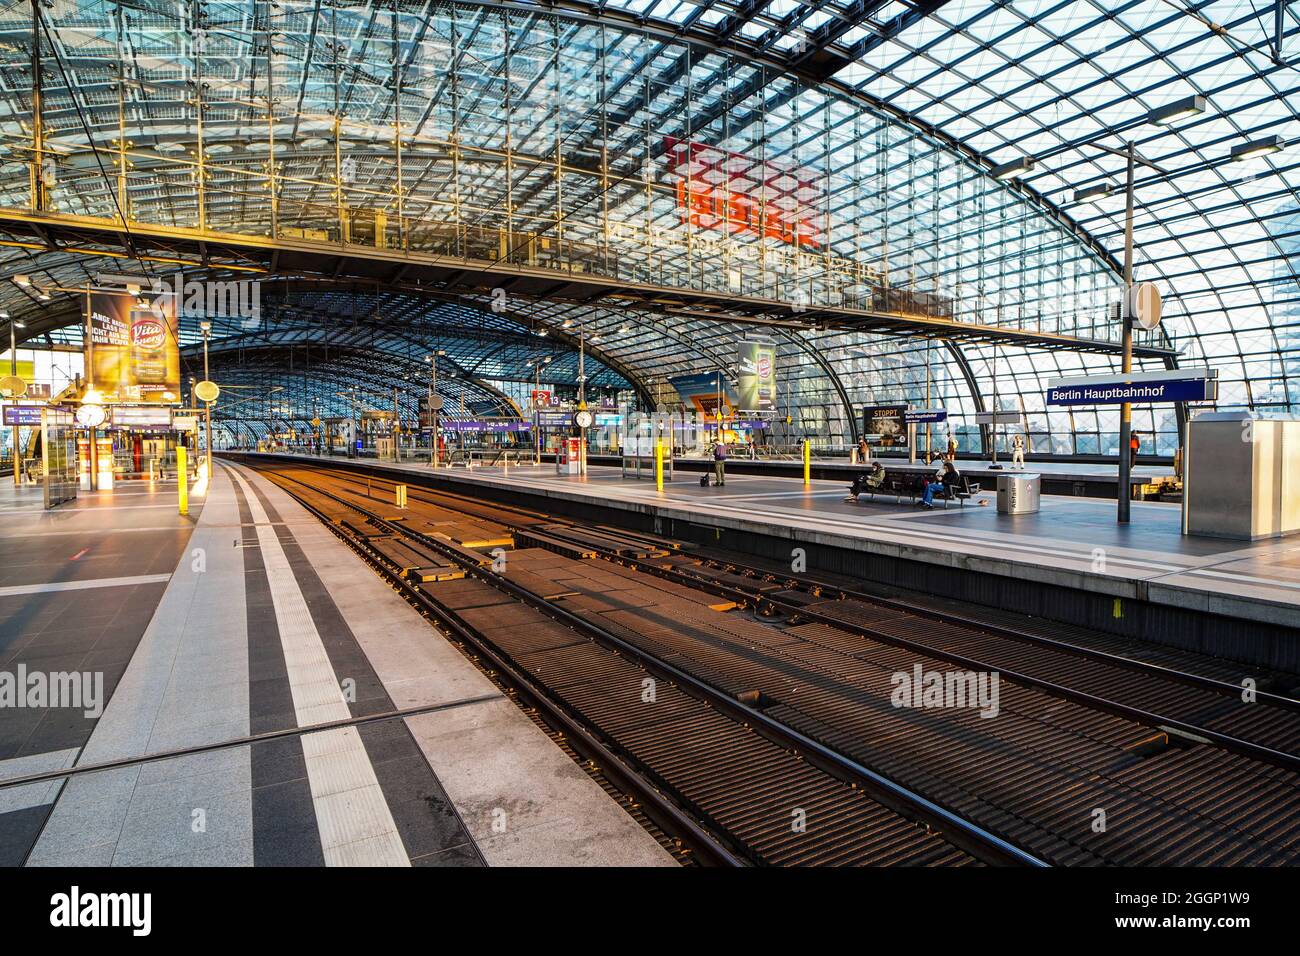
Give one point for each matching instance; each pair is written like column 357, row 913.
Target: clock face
column 91, row 416
column 583, row 419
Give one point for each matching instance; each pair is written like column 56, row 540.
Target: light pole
column 433, row 413
column 206, row 328
column 1124, row 493
column 1125, row 489
column 537, row 412
column 1162, row 116
column 14, row 325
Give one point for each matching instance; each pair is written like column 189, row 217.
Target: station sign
column 1144, row 388
column 185, row 423
column 922, row 416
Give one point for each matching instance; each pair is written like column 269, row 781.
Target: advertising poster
column 757, row 390
column 885, row 425
column 134, row 356
column 700, row 393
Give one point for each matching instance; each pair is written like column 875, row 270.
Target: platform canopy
column 886, row 191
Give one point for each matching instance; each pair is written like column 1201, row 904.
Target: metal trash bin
column 1018, row 494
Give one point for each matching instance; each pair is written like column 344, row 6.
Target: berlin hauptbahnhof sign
column 1141, row 388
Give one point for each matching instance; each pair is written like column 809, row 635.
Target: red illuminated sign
column 730, row 192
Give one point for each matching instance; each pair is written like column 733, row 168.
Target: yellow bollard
column 659, row 465
column 182, row 481
column 807, row 463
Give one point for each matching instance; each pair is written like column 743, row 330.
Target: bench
column 960, row 491
column 913, row 486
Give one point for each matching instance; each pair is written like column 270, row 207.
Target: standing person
column 1134, row 443
column 952, row 447
column 1018, row 452
column 864, row 451
column 720, row 463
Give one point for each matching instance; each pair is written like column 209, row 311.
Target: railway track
column 732, row 791
column 1200, row 706
column 810, row 670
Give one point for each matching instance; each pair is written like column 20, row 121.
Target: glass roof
column 1056, row 81
column 851, row 146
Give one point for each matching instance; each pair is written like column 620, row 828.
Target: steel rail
column 1248, row 748
column 665, row 813
column 956, row 829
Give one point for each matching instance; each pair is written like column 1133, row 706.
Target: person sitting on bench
column 946, row 475
column 869, row 480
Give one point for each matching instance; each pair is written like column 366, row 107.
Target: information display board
column 135, row 416
column 133, row 355
column 490, row 425
column 23, row 415
column 560, row 419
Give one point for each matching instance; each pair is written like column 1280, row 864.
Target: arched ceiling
column 515, row 119
column 319, row 343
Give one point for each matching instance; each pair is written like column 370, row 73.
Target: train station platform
column 1071, row 561
column 254, row 695
column 1077, row 479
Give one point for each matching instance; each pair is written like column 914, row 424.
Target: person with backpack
column 720, row 463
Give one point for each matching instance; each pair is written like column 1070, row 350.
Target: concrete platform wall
column 1234, row 638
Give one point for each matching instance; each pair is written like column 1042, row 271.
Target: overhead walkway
column 461, row 261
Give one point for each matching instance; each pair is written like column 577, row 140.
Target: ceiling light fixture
column 1093, row 193
column 1257, row 147
column 1179, row 109
column 1012, row 170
